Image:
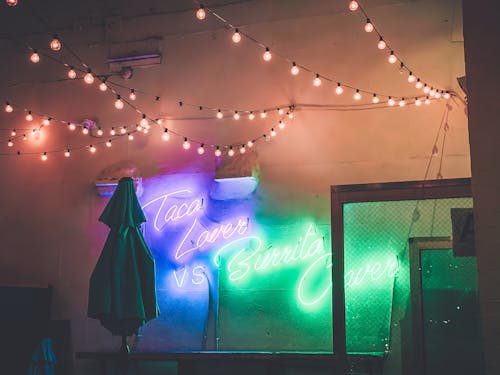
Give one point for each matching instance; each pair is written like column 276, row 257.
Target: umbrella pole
column 124, row 351
column 124, row 348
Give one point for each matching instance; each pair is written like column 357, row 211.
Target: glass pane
column 377, row 272
column 451, row 321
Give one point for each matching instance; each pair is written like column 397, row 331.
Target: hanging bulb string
column 444, row 119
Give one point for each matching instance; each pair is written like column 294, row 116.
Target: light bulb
column 85, row 130
column 130, row 137
column 392, row 58
column 381, row 43
column 118, row 102
column 391, row 101
column 146, row 131
column 353, row 6
column 236, row 115
column 200, row 13
column 89, row 78
column 217, row 151
column 144, row 121
column 250, row 144
column 13, row 133
column 231, row 151
column 295, row 69
column 11, row 3
column 29, row 116
column 100, row 132
column 219, row 114
column 236, row 36
column 55, row 44
column 419, row 84
column 201, row 149
column 273, row 132
column 437, row 95
column 165, row 136
column 67, row 153
column 10, row 143
column 281, row 125
column 71, row 73
column 339, row 89
column 132, row 95
column 357, row 95
column 427, row 100
column 112, row 131
column 46, row 121
column 426, row 89
column 123, row 129
column 280, row 111
column 92, row 149
column 186, row 145
column 242, row 149
column 368, row 26
column 138, row 128
column 447, row 95
column 418, row 102
column 25, row 138
column 317, row 81
column 375, row 99
column 432, row 91
column 263, row 114
column 411, row 78
column 103, row 87
column 71, row 126
column 402, row 102
column 44, row 156
column 8, row 108
column 290, row 115
column 159, row 121
column 251, row 116
column 35, row 57
column 267, row 55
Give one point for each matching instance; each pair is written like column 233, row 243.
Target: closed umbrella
column 122, row 291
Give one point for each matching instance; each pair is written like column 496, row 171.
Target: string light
column 391, row 101
column 267, row 56
column 200, row 13
column 381, row 43
column 339, row 89
column 353, row 6
column 11, row 3
column 368, row 26
column 281, row 125
column 290, row 115
column 231, row 151
column 375, row 99
column 217, row 152
column 44, row 156
column 447, row 95
column 29, row 116
column 437, row 95
column 112, row 131
column 280, row 111
column 123, row 130
column 236, row 36
column 71, row 73
column 273, row 132
column 100, row 132
column 419, row 84
column 108, row 143
column 295, row 69
column 236, row 115
column 130, row 137
column 46, row 121
column 71, row 126
column 242, row 149
column 144, row 121
column 357, row 95
column 35, row 57
column 427, row 100
column 432, row 91
column 89, row 77
column 201, row 149
column 186, row 145
column 263, row 114
column 55, row 44
column 165, row 136
column 92, row 149
column 67, row 153
column 85, row 130
column 103, row 87
column 10, row 143
column 132, row 95
column 402, row 102
column 8, row 108
column 118, row 103
column 219, row 114
column 250, row 144
column 317, row 80
column 392, row 58
column 411, row 78
column 24, row 137
column 13, row 133
column 418, row 102
column 251, row 115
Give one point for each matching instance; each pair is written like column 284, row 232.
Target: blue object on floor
column 43, row 360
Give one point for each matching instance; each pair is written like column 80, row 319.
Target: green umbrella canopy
column 122, row 293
